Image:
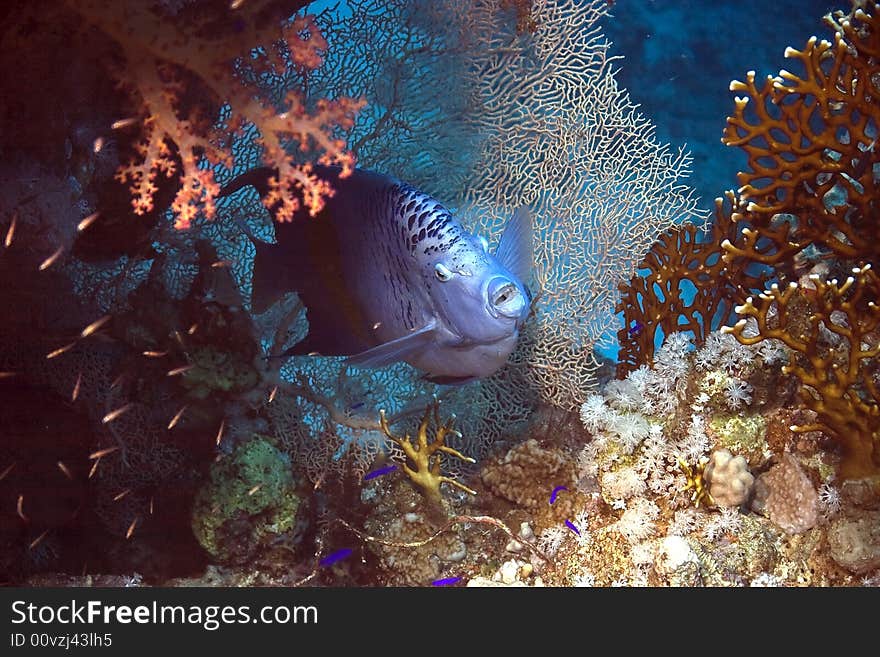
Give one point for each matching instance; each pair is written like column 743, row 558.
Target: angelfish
column 387, row 274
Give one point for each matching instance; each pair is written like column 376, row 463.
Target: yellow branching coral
column 836, row 350
column 427, row 457
column 696, row 482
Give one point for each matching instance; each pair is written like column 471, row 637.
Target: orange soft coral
column 182, row 69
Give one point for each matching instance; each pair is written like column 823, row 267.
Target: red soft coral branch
column 156, row 46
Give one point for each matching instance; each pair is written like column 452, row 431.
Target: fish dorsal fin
column 516, row 248
column 395, row 350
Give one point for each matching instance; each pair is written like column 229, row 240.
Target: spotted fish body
column 388, row 274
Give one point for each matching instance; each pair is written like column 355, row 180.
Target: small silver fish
column 387, row 274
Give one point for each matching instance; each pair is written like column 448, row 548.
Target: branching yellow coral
column 427, row 457
column 696, row 482
column 836, row 347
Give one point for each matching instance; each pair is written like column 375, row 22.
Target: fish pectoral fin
column 449, row 380
column 516, row 248
column 394, row 350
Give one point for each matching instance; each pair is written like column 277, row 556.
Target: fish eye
column 442, row 272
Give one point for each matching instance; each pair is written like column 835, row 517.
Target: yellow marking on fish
column 122, row 494
column 48, row 262
column 272, row 394
column 94, row 467
column 221, row 263
column 155, row 354
column 112, row 415
column 192, row 329
column 65, row 470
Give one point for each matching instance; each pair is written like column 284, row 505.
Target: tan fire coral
column 811, row 142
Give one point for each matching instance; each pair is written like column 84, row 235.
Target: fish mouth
column 465, row 343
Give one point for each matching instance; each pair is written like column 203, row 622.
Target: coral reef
column 168, row 54
column 787, row 496
column 729, row 479
column 247, row 505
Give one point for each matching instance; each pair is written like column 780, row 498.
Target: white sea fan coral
column 623, row 483
column 637, row 522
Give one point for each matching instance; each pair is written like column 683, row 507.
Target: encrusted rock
column 786, row 495
column 730, row 481
column 854, row 542
column 528, row 473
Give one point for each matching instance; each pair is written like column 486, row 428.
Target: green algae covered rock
column 248, row 502
column 217, row 370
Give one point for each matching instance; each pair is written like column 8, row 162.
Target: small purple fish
column 572, row 527
column 339, row 555
column 637, row 327
column 556, row 492
column 379, row 472
column 446, row 582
